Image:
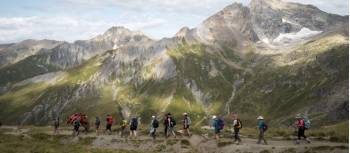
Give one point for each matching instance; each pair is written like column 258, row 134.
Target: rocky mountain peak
column 120, row 33
column 273, row 4
column 120, row 30
column 183, row 32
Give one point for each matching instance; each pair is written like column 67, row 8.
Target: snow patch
column 287, row 21
column 115, row 46
column 303, row 33
column 266, row 40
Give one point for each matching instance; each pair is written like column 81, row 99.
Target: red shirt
column 109, row 120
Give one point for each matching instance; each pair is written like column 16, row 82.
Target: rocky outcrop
column 68, row 55
column 271, row 18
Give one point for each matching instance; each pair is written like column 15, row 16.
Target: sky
column 70, row 20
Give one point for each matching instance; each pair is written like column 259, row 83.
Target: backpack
column 124, row 123
column 239, row 124
column 221, row 124
column 189, row 122
column 97, row 122
column 307, row 123
column 134, row 122
column 155, row 124
column 173, row 122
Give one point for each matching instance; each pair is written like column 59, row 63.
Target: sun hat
column 185, row 113
column 214, row 117
column 260, row 118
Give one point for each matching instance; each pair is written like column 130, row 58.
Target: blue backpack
column 307, row 123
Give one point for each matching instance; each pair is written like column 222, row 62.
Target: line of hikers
column 302, row 123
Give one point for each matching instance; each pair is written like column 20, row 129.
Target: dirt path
column 195, row 143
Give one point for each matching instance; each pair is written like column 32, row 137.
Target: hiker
column 262, row 129
column 186, row 124
column 169, row 125
column 123, row 126
column 76, row 124
column 56, row 124
column 217, row 126
column 133, row 127
column 84, row 122
column 237, row 125
column 301, row 124
column 109, row 120
column 154, row 125
column 97, row 124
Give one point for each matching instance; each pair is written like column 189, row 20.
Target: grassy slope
column 193, row 62
column 280, row 92
column 32, row 66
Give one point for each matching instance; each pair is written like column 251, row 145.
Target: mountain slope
column 270, row 58
column 12, row 53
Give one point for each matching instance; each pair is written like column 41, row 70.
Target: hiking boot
column 297, row 142
column 308, row 140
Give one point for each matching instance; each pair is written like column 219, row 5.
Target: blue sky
column 71, row 20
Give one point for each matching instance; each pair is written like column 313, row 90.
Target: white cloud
column 158, row 18
column 331, row 6
column 198, row 6
column 61, row 28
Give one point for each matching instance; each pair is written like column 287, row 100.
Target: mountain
column 271, row 57
column 12, row 53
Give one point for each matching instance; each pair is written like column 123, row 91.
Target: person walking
column 186, row 124
column 262, row 129
column 123, row 126
column 76, row 125
column 133, row 127
column 300, row 123
column 109, row 121
column 237, row 125
column 97, row 124
column 216, row 126
column 169, row 125
column 153, row 127
column 56, row 124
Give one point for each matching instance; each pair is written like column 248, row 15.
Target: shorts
column 97, row 126
column 186, row 127
column 109, row 127
column 133, row 128
column 217, row 131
